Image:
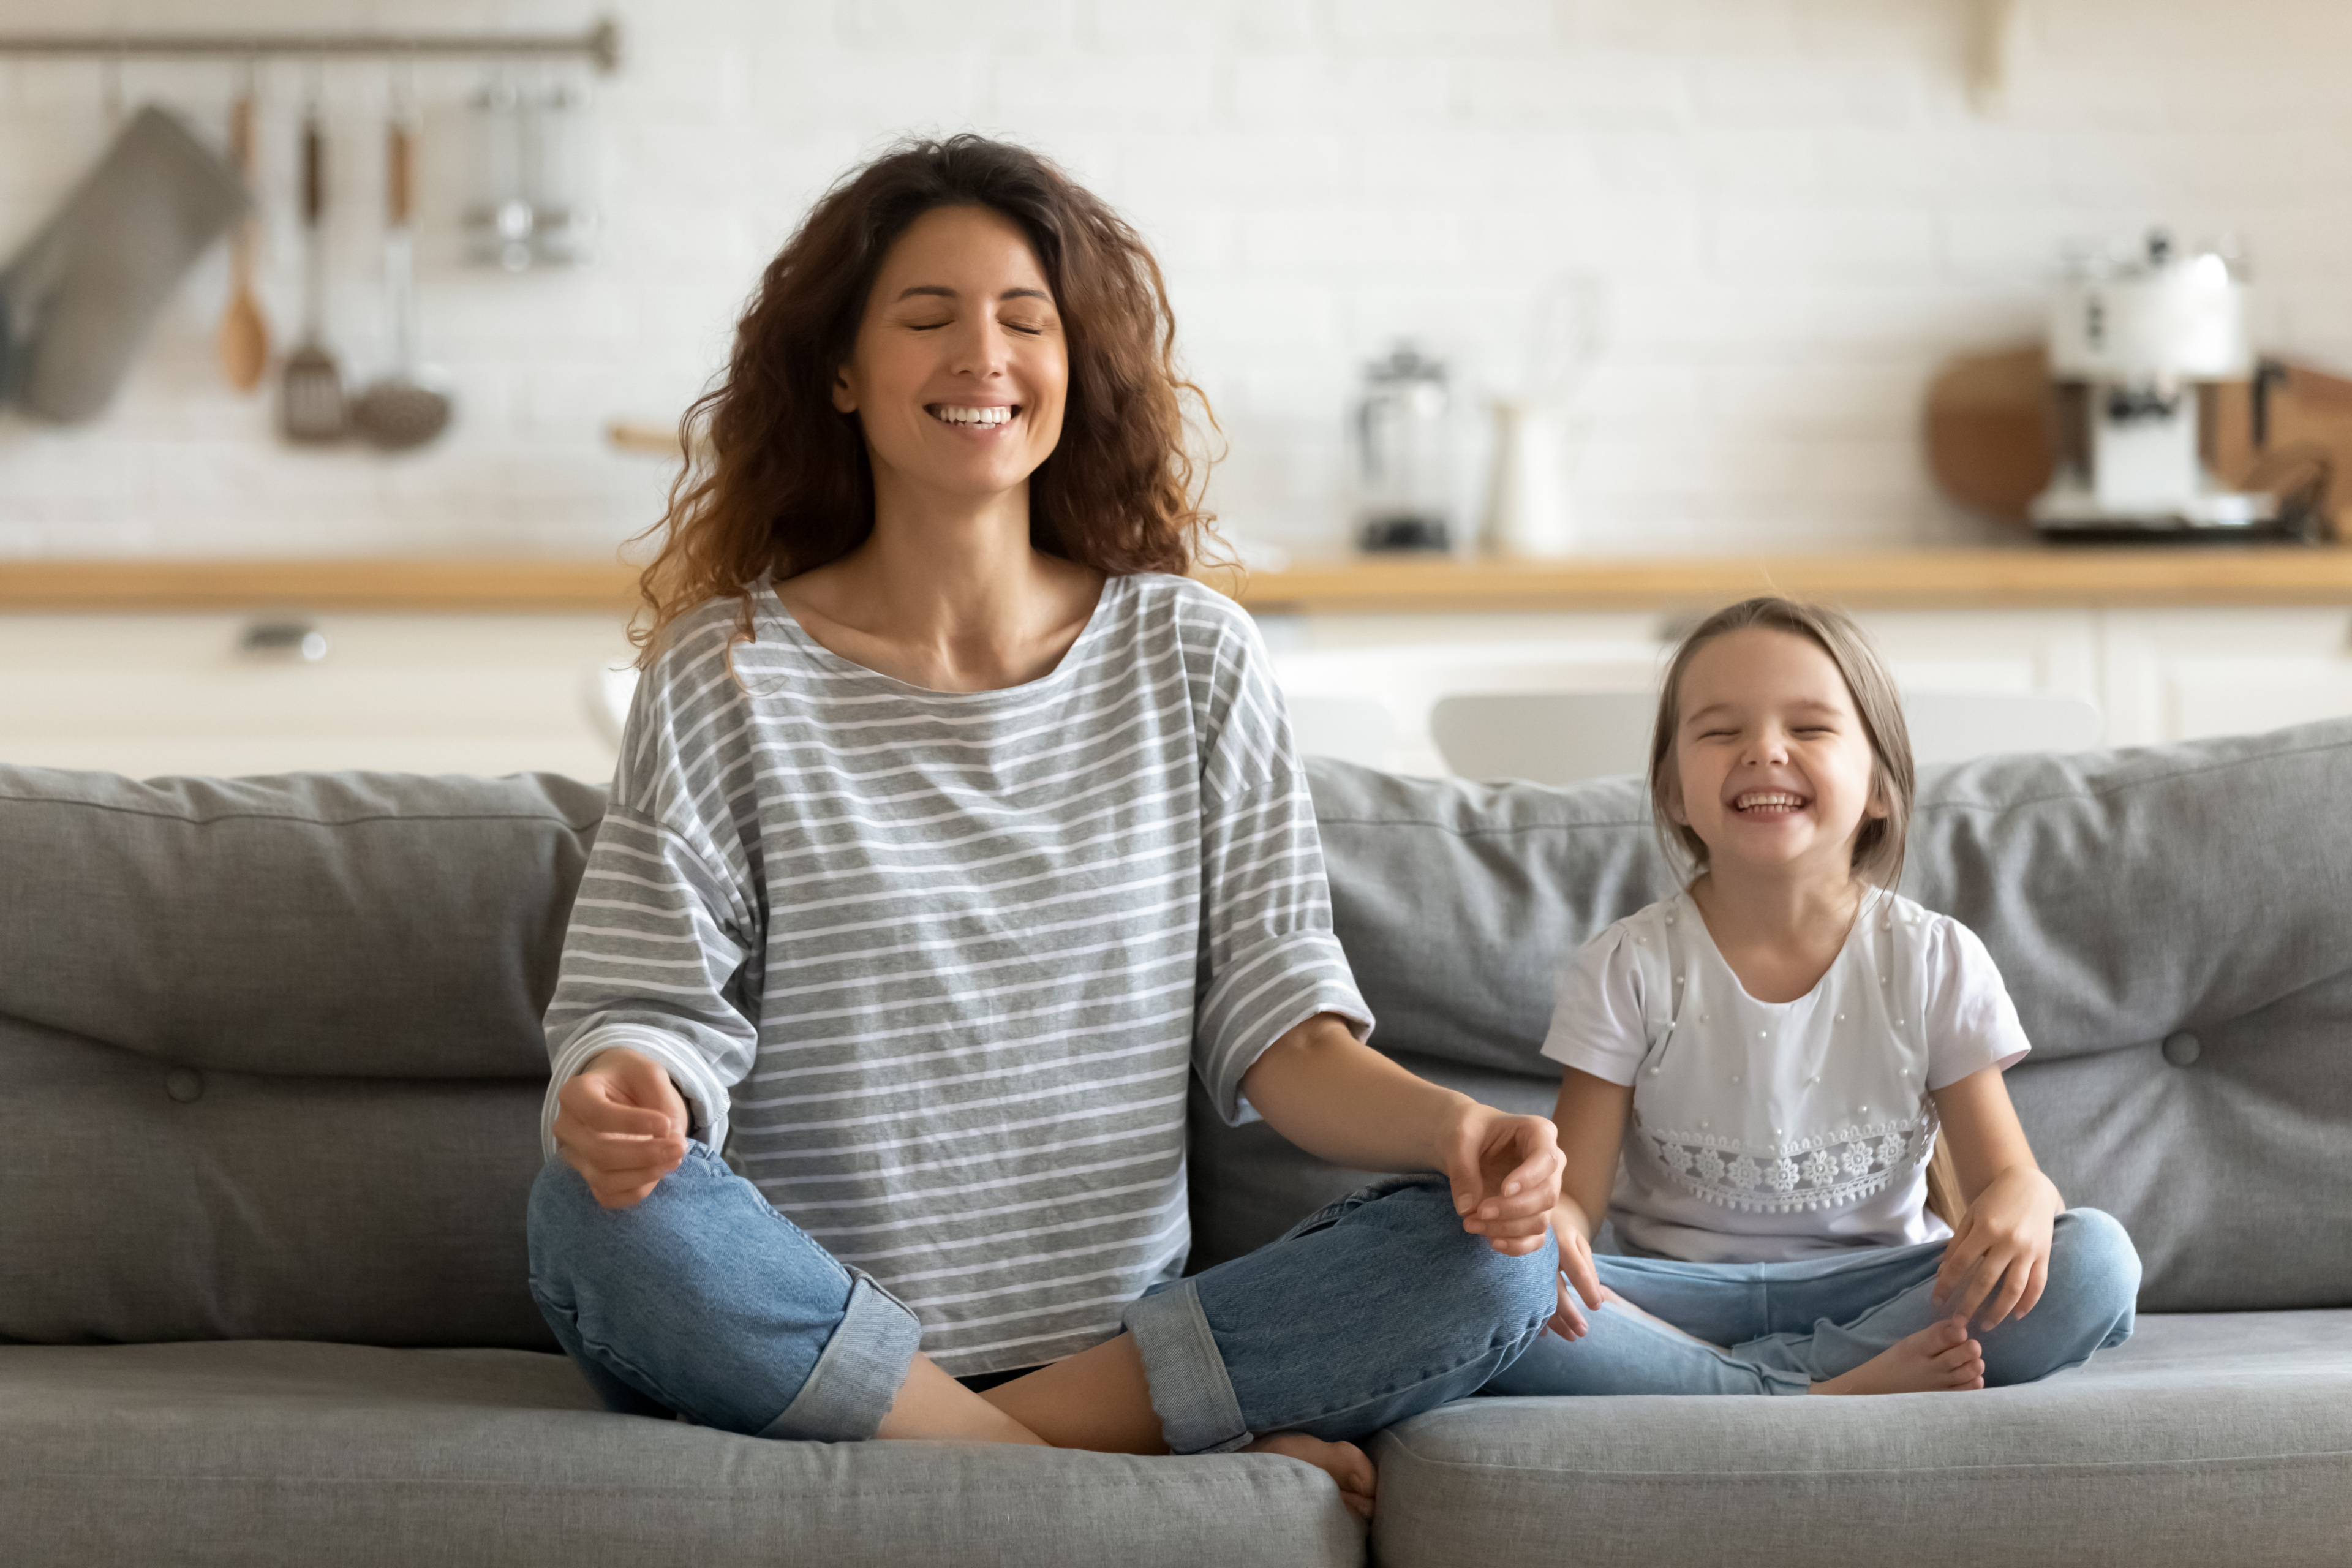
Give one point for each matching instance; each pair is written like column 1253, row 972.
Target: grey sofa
column 271, row 1072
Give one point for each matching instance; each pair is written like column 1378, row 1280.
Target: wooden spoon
column 243, row 341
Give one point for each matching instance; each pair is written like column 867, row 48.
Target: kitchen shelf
column 2028, row 576
column 552, row 584
column 2025, row 576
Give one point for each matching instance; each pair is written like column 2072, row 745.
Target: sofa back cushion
column 344, row 925
column 274, row 1065
column 272, row 1052
column 2175, row 924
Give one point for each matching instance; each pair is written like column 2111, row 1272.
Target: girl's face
column 1773, row 769
column 959, row 371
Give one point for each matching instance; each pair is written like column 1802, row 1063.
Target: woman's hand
column 1574, row 1230
column 621, row 1123
column 2000, row 1256
column 1332, row 1095
column 1505, row 1171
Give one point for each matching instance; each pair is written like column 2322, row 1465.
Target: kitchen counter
column 2022, row 577
column 2027, row 576
column 451, row 584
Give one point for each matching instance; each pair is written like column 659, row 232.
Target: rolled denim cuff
column 859, row 1371
column 1191, row 1392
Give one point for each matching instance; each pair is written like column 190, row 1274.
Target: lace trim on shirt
column 1830, row 1171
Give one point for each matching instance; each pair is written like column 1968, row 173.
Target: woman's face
column 1773, row 767
column 960, row 369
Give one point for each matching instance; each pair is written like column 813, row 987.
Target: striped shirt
column 931, row 967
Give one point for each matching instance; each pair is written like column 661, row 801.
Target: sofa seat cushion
column 2222, row 1438
column 254, row 1453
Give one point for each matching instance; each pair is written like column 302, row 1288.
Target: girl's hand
column 1575, row 1233
column 1999, row 1257
column 1505, row 1171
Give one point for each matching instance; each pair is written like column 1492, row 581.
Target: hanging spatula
column 310, row 391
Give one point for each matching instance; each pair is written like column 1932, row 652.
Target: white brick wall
column 1790, row 207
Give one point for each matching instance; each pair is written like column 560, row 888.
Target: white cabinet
column 2152, row 675
column 2176, row 675
column 2052, row 652
column 153, row 694
column 492, row 693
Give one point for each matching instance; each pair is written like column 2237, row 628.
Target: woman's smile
column 975, row 418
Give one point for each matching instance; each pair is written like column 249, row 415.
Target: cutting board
column 1994, row 423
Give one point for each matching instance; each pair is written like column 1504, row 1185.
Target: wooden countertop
column 440, row 583
column 2025, row 576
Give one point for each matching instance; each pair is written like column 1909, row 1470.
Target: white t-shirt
column 1766, row 1130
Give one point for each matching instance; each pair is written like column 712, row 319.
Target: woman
column 952, row 827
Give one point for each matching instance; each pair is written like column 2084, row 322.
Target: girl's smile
column 1768, row 805
column 1774, row 767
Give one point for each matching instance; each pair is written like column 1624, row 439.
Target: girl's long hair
column 1878, row 848
column 776, row 479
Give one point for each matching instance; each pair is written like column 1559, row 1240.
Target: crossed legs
column 703, row 1300
column 1785, row 1327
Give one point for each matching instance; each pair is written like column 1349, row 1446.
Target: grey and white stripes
column 932, row 967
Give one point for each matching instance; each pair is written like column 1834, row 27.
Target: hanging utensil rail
column 600, row 43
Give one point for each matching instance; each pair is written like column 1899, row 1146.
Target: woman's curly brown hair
column 776, row 479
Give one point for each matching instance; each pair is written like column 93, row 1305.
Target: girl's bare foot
column 1938, row 1357
column 1343, row 1462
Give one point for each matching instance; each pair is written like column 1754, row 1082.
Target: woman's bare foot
column 1938, row 1357
column 1343, row 1462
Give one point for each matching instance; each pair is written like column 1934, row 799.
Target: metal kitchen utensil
column 310, row 389
column 408, row 406
column 529, row 155
column 244, row 337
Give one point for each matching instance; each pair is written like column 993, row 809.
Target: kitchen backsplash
column 1784, row 212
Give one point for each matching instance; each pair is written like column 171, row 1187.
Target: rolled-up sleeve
column 663, row 953
column 651, row 962
column 1270, row 959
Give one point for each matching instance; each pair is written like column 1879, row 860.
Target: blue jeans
column 1787, row 1326
column 704, row 1300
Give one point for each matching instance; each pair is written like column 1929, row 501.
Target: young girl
column 1775, row 1051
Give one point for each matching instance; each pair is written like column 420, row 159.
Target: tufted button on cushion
column 186, row 1085
column 2182, row 1049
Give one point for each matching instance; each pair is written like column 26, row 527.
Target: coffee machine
column 1404, row 431
column 2138, row 348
